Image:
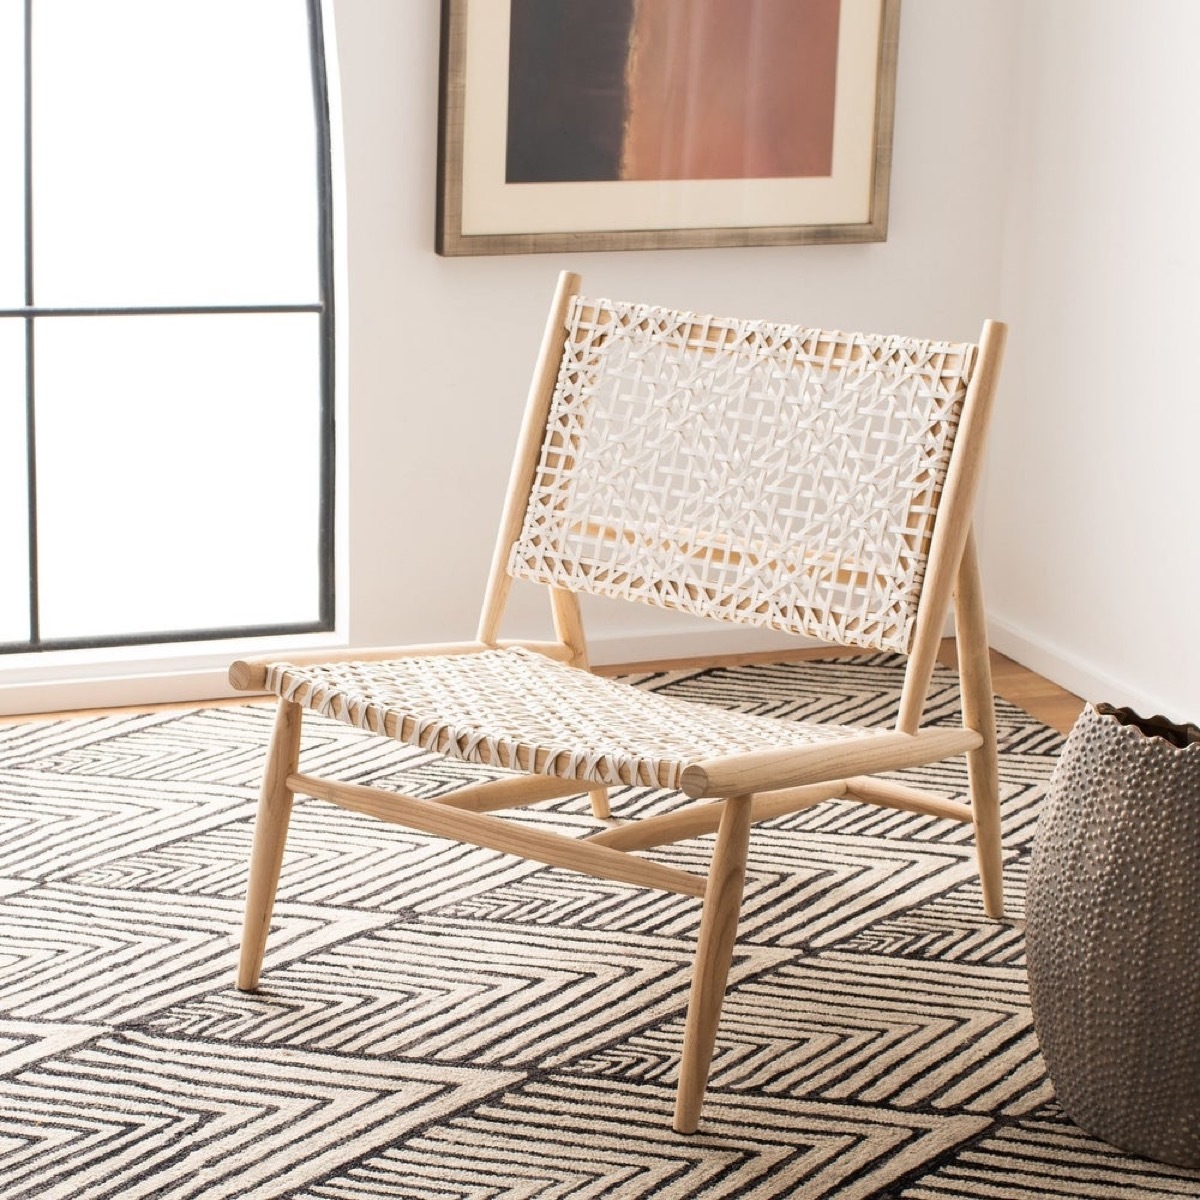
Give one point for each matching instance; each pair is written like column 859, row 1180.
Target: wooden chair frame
column 740, row 789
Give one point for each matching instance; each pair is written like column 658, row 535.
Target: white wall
column 440, row 350
column 1089, row 538
column 1045, row 171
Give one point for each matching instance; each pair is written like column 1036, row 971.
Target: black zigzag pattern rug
column 441, row 1022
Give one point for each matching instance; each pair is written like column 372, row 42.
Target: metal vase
column 1113, row 932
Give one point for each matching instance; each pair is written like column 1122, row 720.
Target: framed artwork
column 570, row 125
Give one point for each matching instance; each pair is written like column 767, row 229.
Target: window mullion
column 30, row 412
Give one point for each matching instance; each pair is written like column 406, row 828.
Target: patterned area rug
column 439, row 1021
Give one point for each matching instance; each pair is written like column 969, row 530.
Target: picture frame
column 567, row 125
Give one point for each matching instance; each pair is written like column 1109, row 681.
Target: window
column 166, row 355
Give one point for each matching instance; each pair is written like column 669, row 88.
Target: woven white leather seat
column 522, row 711
column 758, row 473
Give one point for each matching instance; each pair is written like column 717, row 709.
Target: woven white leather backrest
column 755, row 472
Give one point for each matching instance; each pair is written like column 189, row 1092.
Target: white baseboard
column 64, row 680
column 116, row 691
column 1068, row 670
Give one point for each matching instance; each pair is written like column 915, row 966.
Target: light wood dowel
column 270, row 835
column 714, row 952
column 541, row 392
column 510, row 793
column 568, row 625
column 979, row 712
column 601, row 808
column 887, row 794
column 952, row 527
column 250, row 674
column 647, row 832
column 792, row 799
column 496, row 834
column 766, row 770
column 695, row 821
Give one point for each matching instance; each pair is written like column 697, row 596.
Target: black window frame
column 31, row 313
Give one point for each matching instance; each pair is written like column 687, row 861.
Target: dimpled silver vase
column 1113, row 932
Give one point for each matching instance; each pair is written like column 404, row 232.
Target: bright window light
column 163, row 445
column 14, row 519
column 180, row 322
column 12, row 153
column 186, row 130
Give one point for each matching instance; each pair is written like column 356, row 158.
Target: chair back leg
column 601, row 808
column 270, row 834
column 714, row 952
column 985, row 804
column 979, row 713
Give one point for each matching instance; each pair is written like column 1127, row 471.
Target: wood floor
column 1015, row 683
column 1048, row 702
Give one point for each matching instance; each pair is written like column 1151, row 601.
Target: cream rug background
column 438, row 1021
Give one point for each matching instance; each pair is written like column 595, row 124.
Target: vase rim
column 1180, row 735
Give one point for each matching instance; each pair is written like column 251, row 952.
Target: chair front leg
column 718, row 932
column 270, row 834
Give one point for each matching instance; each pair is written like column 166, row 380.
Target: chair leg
column 979, row 713
column 718, row 931
column 984, row 779
column 270, row 834
column 600, row 806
